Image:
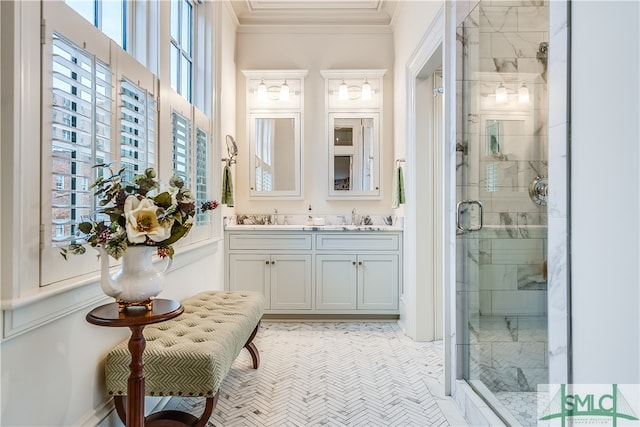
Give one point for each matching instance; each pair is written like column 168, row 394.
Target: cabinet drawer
column 270, row 241
column 358, row 241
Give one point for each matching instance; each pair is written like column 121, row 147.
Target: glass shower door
column 501, row 155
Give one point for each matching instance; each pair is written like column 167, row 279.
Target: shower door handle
column 459, row 211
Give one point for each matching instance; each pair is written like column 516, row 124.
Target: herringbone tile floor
column 333, row 374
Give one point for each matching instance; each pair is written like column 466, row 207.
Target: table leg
column 135, row 384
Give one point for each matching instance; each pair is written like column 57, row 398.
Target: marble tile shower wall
column 509, row 254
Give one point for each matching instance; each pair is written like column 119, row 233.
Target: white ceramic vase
column 137, row 281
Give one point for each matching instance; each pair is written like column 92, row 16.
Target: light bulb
column 523, row 94
column 343, row 92
column 262, row 91
column 284, row 92
column 501, row 94
column 366, row 91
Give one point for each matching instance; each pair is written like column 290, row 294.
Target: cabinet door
column 378, row 282
column 335, row 282
column 250, row 272
column 290, row 282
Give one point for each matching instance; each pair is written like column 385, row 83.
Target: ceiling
column 314, row 12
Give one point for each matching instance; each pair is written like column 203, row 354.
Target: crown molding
column 320, row 13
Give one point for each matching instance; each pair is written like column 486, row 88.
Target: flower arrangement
column 138, row 213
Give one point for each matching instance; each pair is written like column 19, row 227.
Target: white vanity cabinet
column 274, row 264
column 317, row 272
column 357, row 271
column 285, row 280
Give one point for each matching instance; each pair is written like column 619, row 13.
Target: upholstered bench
column 191, row 354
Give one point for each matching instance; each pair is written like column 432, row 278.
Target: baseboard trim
column 331, row 317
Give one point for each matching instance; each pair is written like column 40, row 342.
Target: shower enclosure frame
column 558, row 307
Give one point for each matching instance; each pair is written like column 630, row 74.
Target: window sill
column 52, row 302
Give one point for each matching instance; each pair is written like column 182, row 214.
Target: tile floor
column 334, row 374
column 508, row 354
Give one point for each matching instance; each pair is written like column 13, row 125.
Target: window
column 202, row 174
column 80, row 129
column 191, row 159
column 109, row 16
column 137, row 129
column 59, row 182
column 181, row 145
column 182, row 31
column 101, row 105
column 264, row 151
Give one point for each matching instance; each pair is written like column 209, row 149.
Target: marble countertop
column 298, row 227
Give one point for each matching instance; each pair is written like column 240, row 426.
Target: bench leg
column 253, row 350
column 120, row 408
column 171, row 418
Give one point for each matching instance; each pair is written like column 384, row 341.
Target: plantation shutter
column 137, row 129
column 181, row 142
column 81, row 135
column 202, row 173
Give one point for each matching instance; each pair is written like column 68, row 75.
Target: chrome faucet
column 353, row 216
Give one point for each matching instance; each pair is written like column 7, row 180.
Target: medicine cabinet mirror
column 354, row 122
column 275, row 154
column 274, row 101
column 353, row 154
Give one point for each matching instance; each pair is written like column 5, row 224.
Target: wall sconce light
column 366, row 91
column 262, row 91
column 523, row 94
column 343, row 92
column 501, row 94
column 284, row 92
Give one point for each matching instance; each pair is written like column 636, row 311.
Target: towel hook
column 398, row 161
column 232, row 150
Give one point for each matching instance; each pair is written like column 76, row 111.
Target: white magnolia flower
column 142, row 221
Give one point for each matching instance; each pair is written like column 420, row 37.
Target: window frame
column 182, row 51
column 126, row 10
column 123, row 65
column 25, row 304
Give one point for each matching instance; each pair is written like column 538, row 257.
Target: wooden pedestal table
column 135, row 318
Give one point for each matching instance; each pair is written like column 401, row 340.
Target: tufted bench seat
column 191, row 354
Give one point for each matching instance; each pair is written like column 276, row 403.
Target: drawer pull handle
column 267, row 262
column 354, row 263
column 360, row 263
column 273, row 262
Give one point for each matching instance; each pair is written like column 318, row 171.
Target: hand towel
column 398, row 189
column 227, row 187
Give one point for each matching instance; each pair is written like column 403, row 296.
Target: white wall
column 605, row 185
column 52, row 375
column 227, row 89
column 314, row 50
column 418, row 301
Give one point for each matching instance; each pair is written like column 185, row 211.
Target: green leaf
column 177, row 232
column 85, row 227
column 113, row 217
column 163, row 199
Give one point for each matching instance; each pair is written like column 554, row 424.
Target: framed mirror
column 275, row 155
column 354, row 155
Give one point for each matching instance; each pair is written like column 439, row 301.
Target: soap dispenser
column 309, row 217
